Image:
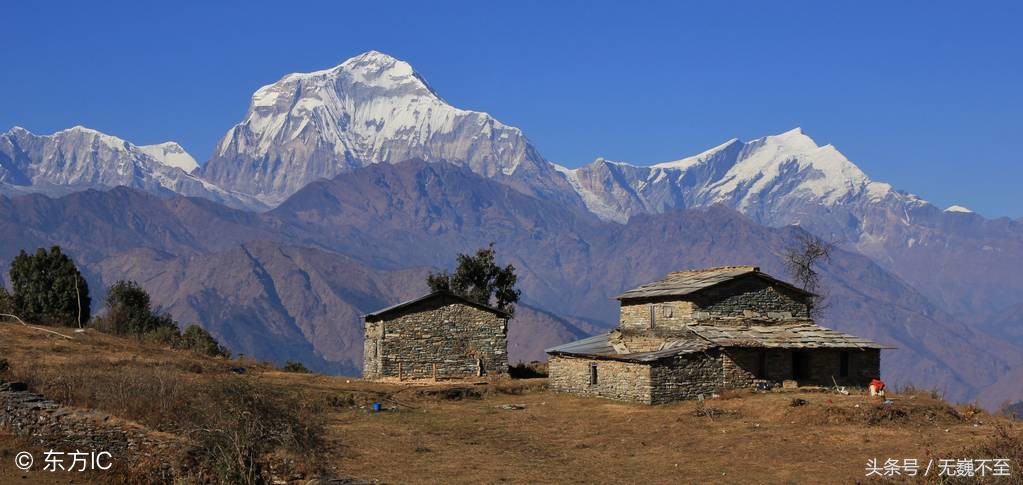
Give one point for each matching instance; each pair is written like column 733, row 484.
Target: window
column 666, row 311
column 843, row 364
column 653, row 314
column 593, row 374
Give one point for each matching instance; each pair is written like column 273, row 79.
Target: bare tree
column 800, row 260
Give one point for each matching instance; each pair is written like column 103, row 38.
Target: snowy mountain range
column 80, row 158
column 375, row 109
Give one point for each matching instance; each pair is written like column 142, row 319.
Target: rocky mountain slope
column 80, row 158
column 292, row 283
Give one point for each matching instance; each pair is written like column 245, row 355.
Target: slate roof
column 600, row 347
column 451, row 297
column 703, row 337
column 680, row 283
column 785, row 336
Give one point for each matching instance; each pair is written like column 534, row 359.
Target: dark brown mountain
column 291, row 283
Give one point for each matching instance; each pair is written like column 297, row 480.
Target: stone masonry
column 441, row 336
column 739, row 300
column 705, row 331
column 623, row 381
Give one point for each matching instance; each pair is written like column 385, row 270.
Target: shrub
column 129, row 311
column 239, row 425
column 239, row 428
column 531, row 370
column 47, row 287
column 294, row 366
column 198, row 340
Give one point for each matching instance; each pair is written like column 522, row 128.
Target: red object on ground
column 877, row 384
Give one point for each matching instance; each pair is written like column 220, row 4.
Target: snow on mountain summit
column 80, row 158
column 783, row 169
column 171, row 154
column 372, row 108
column 958, row 208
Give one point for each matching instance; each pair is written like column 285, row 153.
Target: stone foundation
column 687, row 376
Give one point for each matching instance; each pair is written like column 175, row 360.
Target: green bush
column 129, row 312
column 293, row 366
column 197, row 339
column 48, row 288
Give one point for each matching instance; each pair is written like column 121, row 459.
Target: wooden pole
column 78, row 296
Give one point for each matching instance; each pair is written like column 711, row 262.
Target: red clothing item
column 877, row 384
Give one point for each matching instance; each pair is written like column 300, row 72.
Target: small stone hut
column 704, row 331
column 439, row 336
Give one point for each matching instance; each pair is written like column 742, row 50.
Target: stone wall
column 745, row 298
column 65, row 429
column 442, row 336
column 751, row 297
column 686, row 377
column 623, row 381
column 667, row 314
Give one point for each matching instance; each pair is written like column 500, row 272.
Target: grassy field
column 514, row 431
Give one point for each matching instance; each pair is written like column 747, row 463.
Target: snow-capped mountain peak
column 784, row 169
column 959, row 209
column 80, row 158
column 171, row 154
column 699, row 158
column 371, row 108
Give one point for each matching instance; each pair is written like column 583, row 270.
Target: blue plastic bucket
column 377, row 407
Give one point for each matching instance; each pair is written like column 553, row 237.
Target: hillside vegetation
column 296, row 426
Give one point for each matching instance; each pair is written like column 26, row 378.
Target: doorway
column 800, row 365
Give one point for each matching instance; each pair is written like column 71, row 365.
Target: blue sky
column 925, row 95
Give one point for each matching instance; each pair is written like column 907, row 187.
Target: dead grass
column 234, row 422
column 515, row 431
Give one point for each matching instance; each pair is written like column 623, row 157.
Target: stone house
column 439, row 336
column 704, row 331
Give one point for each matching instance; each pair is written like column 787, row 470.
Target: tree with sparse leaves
column 48, row 288
column 801, row 259
column 479, row 278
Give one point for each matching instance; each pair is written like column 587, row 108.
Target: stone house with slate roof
column 437, row 336
column 704, row 331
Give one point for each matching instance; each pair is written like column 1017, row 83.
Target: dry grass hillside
column 507, row 431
